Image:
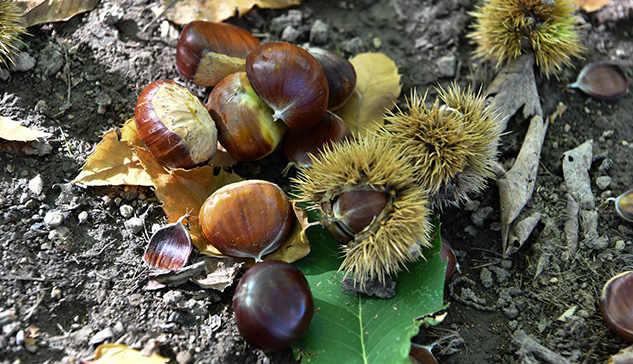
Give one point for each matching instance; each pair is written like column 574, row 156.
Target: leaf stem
column 362, row 334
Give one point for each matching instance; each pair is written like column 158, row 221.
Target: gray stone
column 134, row 224
column 53, row 218
column 82, row 217
column 319, row 32
column 486, row 277
column 174, row 298
column 354, row 45
column 126, row 211
column 290, row 34
column 480, row 216
column 36, row 185
column 22, row 62
column 293, row 18
column 446, row 66
column 603, row 182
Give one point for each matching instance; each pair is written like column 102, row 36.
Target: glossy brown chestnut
column 353, row 211
column 174, row 125
column 199, row 44
column 290, row 81
column 603, row 80
column 340, row 74
column 273, row 305
column 299, row 144
column 616, row 305
column 247, row 219
column 246, row 128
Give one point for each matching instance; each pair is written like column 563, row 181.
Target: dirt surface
column 71, row 257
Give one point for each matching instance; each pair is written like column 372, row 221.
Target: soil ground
column 86, row 275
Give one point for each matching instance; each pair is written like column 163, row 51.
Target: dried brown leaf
column 112, row 163
column 515, row 87
column 377, row 89
column 48, row 11
column 12, row 130
column 185, row 11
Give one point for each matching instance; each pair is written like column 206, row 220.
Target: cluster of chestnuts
column 264, row 97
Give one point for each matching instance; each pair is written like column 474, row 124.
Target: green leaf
column 360, row 329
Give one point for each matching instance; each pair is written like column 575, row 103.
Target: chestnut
column 247, row 219
column 290, row 81
column 245, row 124
column 340, row 74
column 273, row 305
column 616, row 304
column 174, row 125
column 352, row 211
column 207, row 52
column 299, row 144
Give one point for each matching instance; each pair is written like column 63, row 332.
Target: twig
column 34, row 308
column 528, row 348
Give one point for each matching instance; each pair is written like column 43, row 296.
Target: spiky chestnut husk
column 369, row 167
column 505, row 29
column 11, row 27
column 451, row 145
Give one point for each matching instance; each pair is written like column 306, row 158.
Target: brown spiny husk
column 11, row 27
column 388, row 243
column 452, row 143
column 505, row 29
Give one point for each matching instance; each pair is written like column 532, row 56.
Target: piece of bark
column 515, row 87
column 520, row 233
column 571, row 224
column 517, row 185
column 576, row 164
column 530, row 349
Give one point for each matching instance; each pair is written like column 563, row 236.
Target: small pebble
column 480, row 216
column 36, row 185
column 184, row 357
column 53, row 218
column 319, row 32
column 174, row 298
column 134, row 224
column 126, row 211
column 22, row 62
column 603, row 182
column 619, row 245
column 446, row 66
column 82, row 217
column 486, row 277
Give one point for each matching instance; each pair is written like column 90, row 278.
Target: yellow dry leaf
column 377, row 89
column 12, row 130
column 592, row 5
column 112, row 163
column 121, row 354
column 185, row 11
column 48, row 11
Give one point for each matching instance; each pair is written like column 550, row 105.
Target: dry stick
column 528, row 348
column 571, row 225
column 35, row 306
